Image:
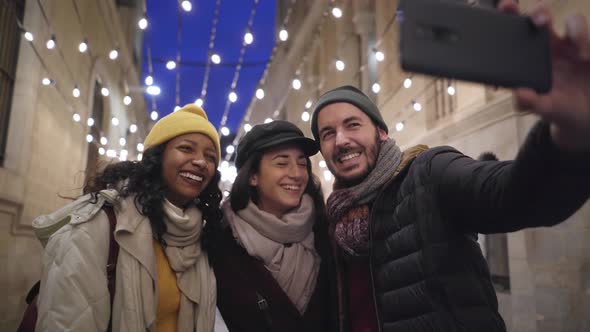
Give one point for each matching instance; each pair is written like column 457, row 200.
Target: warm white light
column 337, row 12
column 340, row 65
column 105, row 92
column 247, row 127
column 248, row 38
column 139, row 147
column 76, row 92
column 133, row 128
column 51, row 43
column 327, row 175
column 308, row 104
column 111, row 153
column 115, row 121
column 379, row 56
column 451, row 90
column 143, row 23
column 268, row 120
column 170, row 65
column 149, row 80
column 122, row 141
column 224, row 131
column 29, row 36
column 154, row 115
column 114, row 54
column 90, row 122
column 139, row 156
column 123, row 155
column 46, row 81
column 199, row 102
column 153, row 90
column 322, row 164
column 296, row 84
column 127, row 100
column 187, row 6
column 101, row 151
column 305, row 116
column 283, row 35
column 89, row 138
column 83, row 47
column 376, row 87
column 233, row 97
column 407, row 83
column 230, row 149
column 104, row 140
column 76, row 117
column 399, row 126
column 176, row 108
column 216, row 59
column 259, row 93
column 225, row 193
column 417, row 106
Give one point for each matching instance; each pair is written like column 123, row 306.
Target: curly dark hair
column 144, row 179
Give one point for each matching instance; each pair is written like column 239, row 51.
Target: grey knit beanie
column 347, row 94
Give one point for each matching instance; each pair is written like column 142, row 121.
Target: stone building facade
column 45, row 153
column 542, row 275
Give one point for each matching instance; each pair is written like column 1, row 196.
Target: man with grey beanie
column 404, row 224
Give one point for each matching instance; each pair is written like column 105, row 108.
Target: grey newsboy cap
column 347, row 94
column 264, row 136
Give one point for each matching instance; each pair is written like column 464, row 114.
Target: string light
column 89, row 138
column 122, row 141
column 83, row 47
column 259, row 93
column 103, row 140
column 176, row 108
column 111, row 153
column 133, row 128
column 127, row 100
column 187, row 6
column 233, row 97
column 76, row 92
column 225, row 131
column 115, row 121
column 399, row 126
column 142, row 23
column 51, row 42
column 149, row 80
column 451, row 90
column 154, row 115
column 379, row 56
column 105, row 92
column 215, row 58
column 340, row 65
column 76, row 117
column 337, row 12
column 247, row 127
column 153, row 90
column 376, row 87
column 408, row 83
column 46, row 81
column 139, row 156
column 90, row 122
column 101, row 151
column 283, row 34
column 199, row 102
column 139, row 147
column 268, row 120
column 170, row 65
column 296, row 84
column 123, row 155
column 248, row 38
column 114, row 54
column 305, row 116
column 322, row 164
column 230, row 149
column 417, row 106
column 327, row 175
column 308, row 104
column 29, row 36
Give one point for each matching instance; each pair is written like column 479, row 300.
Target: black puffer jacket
column 428, row 271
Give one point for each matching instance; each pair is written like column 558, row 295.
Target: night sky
column 161, row 35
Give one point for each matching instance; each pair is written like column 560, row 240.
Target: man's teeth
column 290, row 187
column 192, row 176
column 350, row 156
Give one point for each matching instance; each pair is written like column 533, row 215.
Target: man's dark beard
column 344, row 183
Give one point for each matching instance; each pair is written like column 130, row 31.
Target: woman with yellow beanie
column 162, row 278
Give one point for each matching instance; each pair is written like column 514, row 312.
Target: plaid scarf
column 348, row 208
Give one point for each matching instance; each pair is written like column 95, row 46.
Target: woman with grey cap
column 271, row 258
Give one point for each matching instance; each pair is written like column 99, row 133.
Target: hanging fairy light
column 199, row 102
column 327, row 175
column 225, row 131
column 296, row 84
column 51, row 43
column 105, row 92
column 337, row 12
column 268, row 120
column 248, row 38
column 101, row 151
column 416, row 105
column 139, row 156
column 122, row 141
column 29, row 36
column 308, row 104
column 76, row 117
column 111, row 153
column 259, row 93
column 233, row 97
column 76, row 92
column 139, row 147
column 83, row 46
column 247, row 127
column 149, row 80
column 123, row 155
column 170, row 65
column 322, row 164
column 90, row 122
column 408, row 83
column 154, row 115
column 230, row 149
column 399, row 126
column 340, row 65
column 153, row 90
column 451, row 90
column 376, row 87
column 103, row 140
column 176, row 108
column 305, row 116
column 215, row 58
column 127, row 100
column 133, row 128
column 46, row 81
column 114, row 54
column 379, row 56
column 114, row 121
column 187, row 6
column 142, row 23
column 283, row 34
column 89, row 138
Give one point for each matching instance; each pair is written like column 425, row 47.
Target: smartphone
column 458, row 41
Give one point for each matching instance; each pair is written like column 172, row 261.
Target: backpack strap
column 113, row 255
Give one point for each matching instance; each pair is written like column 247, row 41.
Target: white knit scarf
column 285, row 246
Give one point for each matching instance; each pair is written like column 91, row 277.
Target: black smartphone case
column 474, row 44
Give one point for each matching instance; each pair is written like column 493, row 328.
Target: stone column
column 364, row 22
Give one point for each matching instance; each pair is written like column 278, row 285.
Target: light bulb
column 89, row 138
column 283, row 35
column 154, row 115
column 46, row 81
column 376, row 87
column 76, row 117
column 308, row 104
column 29, row 36
column 149, row 80
column 83, row 47
column 451, row 90
column 140, row 147
column 259, row 93
column 104, row 140
column 187, row 6
column 233, row 97
column 127, row 100
column 230, row 149
column 247, row 127
column 248, row 38
column 199, row 102
column 139, row 156
column 142, row 23
column 133, row 128
column 76, row 92
column 51, row 42
column 268, row 120
column 340, row 65
column 114, row 54
column 296, row 84
column 115, row 121
column 322, row 164
column 399, row 126
column 105, row 92
column 225, row 131
column 379, row 56
column 176, row 108
column 122, row 141
column 215, row 58
column 327, row 175
column 171, row 65
column 407, row 83
column 101, row 151
column 417, row 106
column 337, row 12
column 305, row 116
column 90, row 122
column 153, row 90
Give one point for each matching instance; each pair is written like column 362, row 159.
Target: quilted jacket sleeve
column 543, row 186
column 74, row 294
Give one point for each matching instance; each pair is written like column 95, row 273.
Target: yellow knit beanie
column 189, row 119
